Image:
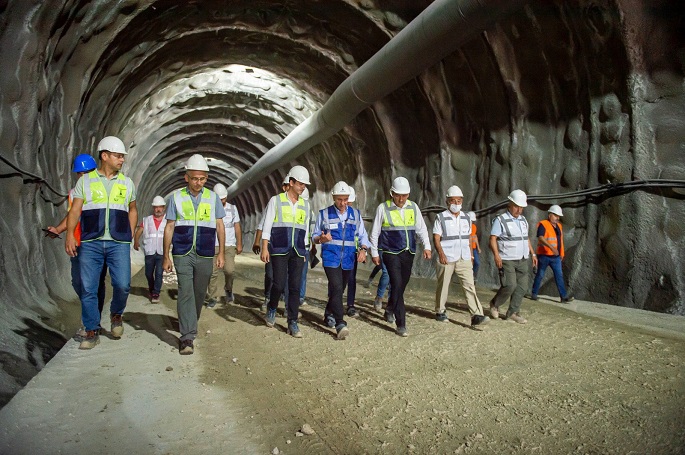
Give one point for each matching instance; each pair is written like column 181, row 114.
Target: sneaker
column 117, row 326
column 90, row 340
column 270, row 317
column 517, row 318
column 389, row 317
column 186, row 347
column 229, row 297
column 154, row 298
column 494, row 312
column 343, row 331
column 531, row 296
column 479, row 319
column 294, row 330
column 211, row 303
column 80, row 334
column 303, row 302
column 352, row 312
column 378, row 304
column 329, row 321
column 402, row 331
column 441, row 317
column 568, row 299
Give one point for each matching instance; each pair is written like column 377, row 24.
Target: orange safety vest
column 77, row 231
column 473, row 236
column 551, row 237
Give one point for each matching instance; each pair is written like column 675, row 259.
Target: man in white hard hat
column 337, row 229
column 194, row 222
column 512, row 250
column 233, row 245
column 105, row 203
column 397, row 223
column 152, row 232
column 286, row 225
column 257, row 248
column 452, row 239
column 551, row 252
column 475, row 246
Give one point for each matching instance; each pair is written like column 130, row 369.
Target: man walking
column 105, row 203
column 452, row 239
column 194, row 222
column 337, row 229
column 233, row 246
column 397, row 223
column 152, row 232
column 551, row 252
column 511, row 248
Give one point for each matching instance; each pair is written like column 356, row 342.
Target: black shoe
column 329, row 320
column 478, row 319
column 568, row 299
column 352, row 312
column 186, row 347
column 441, row 317
column 389, row 317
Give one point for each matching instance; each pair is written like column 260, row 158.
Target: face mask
column 455, row 208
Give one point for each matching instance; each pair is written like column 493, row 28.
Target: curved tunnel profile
column 550, row 97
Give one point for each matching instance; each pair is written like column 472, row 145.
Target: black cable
column 34, row 176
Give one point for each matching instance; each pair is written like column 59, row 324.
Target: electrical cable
column 34, row 176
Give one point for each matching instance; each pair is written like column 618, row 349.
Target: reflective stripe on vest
column 342, row 250
column 474, row 237
column 103, row 211
column 398, row 234
column 551, row 237
column 288, row 228
column 194, row 229
column 77, row 229
column 508, row 241
column 153, row 238
column 450, row 242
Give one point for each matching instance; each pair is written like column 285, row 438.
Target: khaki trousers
column 464, row 270
column 229, row 267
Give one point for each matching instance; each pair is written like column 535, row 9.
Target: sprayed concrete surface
column 564, row 383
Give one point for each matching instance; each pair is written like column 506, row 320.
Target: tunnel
column 551, row 97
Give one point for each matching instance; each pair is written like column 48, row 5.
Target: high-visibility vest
column 474, row 236
column 288, row 229
column 194, row 229
column 102, row 210
column 153, row 237
column 77, row 230
column 551, row 237
column 397, row 234
column 342, row 250
column 457, row 235
column 513, row 241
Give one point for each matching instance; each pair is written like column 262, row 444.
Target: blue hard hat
column 84, row 163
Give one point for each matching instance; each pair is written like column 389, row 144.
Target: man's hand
column 255, row 248
column 51, row 232
column 239, row 248
column 323, row 238
column 136, row 246
column 220, row 261
column 70, row 246
column 168, row 266
column 535, row 261
column 426, row 254
column 498, row 261
column 376, row 260
column 361, row 256
column 265, row 256
column 443, row 258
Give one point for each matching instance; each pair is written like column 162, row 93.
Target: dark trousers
column 268, row 277
column 287, row 268
column 337, row 281
column 399, row 268
column 352, row 285
column 153, row 272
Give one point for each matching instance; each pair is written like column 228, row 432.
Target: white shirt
column 456, row 225
column 511, row 250
column 268, row 219
column 229, row 220
column 420, row 227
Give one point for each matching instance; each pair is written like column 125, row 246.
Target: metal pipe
column 434, row 34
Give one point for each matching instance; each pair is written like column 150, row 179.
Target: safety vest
column 289, row 229
column 551, row 237
column 153, row 237
column 513, row 241
column 194, row 229
column 456, row 233
column 106, row 211
column 77, row 230
column 342, row 250
column 474, row 236
column 397, row 234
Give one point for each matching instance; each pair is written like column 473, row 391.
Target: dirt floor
column 563, row 383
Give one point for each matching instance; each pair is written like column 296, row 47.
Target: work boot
column 494, row 312
column 329, row 320
column 441, row 317
column 294, row 330
column 517, row 318
column 352, row 312
column 90, row 340
column 342, row 331
column 378, row 304
column 186, row 347
column 229, row 297
column 211, row 303
column 270, row 317
column 117, row 326
column 479, row 319
column 389, row 317
column 402, row 331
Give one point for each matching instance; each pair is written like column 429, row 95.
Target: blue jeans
column 78, row 287
column 555, row 263
column 384, row 281
column 94, row 255
column 476, row 263
column 153, row 272
column 303, row 285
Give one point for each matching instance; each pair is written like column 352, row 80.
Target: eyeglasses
column 197, row 179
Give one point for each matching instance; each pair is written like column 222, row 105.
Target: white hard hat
column 556, row 210
column 472, row 216
column 454, row 191
column 299, row 173
column 400, row 186
column 286, row 180
column 353, row 195
column 340, row 189
column 158, row 201
column 197, row 163
column 519, row 198
column 305, row 194
column 220, row 190
column 112, row 144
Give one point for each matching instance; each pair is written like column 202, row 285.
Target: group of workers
column 199, row 232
